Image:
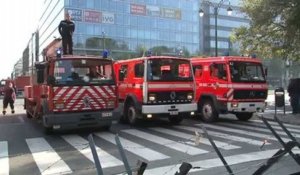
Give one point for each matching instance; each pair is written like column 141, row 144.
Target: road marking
column 205, row 141
column 83, row 147
column 213, row 163
column 4, row 160
column 275, row 123
column 48, row 161
column 273, row 126
column 21, row 119
column 223, row 135
column 134, row 148
column 166, row 142
column 258, row 129
column 244, row 132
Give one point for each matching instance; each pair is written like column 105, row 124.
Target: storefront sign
column 108, row 18
column 137, row 9
column 92, row 16
column 76, row 14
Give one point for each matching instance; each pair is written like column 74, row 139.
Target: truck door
column 198, row 72
column 218, row 81
column 123, row 76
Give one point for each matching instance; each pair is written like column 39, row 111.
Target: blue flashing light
column 253, row 55
column 105, row 53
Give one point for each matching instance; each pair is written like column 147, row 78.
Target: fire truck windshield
column 83, row 72
column 169, row 70
column 246, row 72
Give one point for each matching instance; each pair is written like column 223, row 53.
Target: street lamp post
column 216, row 11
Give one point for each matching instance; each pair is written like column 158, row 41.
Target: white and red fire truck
column 229, row 84
column 155, row 86
column 72, row 91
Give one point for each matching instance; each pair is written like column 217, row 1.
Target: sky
column 19, row 19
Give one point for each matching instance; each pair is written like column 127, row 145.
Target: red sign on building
column 92, row 16
column 137, row 9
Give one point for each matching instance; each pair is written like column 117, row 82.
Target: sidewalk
column 288, row 117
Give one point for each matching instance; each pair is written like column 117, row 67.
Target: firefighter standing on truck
column 66, row 29
column 9, row 97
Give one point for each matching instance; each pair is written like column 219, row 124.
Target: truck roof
column 224, row 58
column 69, row 57
column 151, row 57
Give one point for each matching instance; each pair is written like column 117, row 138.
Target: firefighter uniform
column 9, row 98
column 66, row 29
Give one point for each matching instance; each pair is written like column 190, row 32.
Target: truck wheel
column 175, row 119
column 244, row 116
column 208, row 111
column 106, row 127
column 48, row 130
column 28, row 114
column 131, row 114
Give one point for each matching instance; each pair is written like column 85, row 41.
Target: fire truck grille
column 250, row 94
column 171, row 97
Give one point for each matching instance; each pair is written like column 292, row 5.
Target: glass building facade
column 225, row 26
column 129, row 27
column 125, row 26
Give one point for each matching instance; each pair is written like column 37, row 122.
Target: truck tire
column 131, row 114
column 244, row 116
column 48, row 130
column 28, row 114
column 208, row 111
column 175, row 119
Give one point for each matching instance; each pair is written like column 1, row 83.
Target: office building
column 129, row 27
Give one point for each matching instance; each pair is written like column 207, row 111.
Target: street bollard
column 279, row 99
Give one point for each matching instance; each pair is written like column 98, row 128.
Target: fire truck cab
column 72, row 91
column 229, row 84
column 155, row 86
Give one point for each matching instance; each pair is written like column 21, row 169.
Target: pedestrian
column 66, row 29
column 9, row 98
column 294, row 93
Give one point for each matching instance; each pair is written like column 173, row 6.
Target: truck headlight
column 189, row 96
column 152, row 97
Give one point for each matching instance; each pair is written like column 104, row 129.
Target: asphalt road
column 25, row 149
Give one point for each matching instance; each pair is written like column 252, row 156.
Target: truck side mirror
column 51, row 80
column 40, row 76
column 266, row 72
column 40, row 73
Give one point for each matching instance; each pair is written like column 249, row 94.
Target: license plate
column 107, row 114
column 173, row 112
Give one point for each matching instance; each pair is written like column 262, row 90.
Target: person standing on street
column 294, row 93
column 66, row 29
column 9, row 98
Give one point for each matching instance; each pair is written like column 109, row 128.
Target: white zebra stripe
column 243, row 132
column 224, row 136
column 47, row 160
column 205, row 141
column 134, row 148
column 4, row 160
column 82, row 146
column 166, row 142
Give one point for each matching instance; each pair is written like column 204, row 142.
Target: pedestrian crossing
column 155, row 145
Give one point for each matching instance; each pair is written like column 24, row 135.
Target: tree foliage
column 274, row 29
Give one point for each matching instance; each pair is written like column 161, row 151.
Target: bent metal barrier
column 186, row 167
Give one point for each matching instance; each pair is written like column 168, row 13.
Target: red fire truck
column 71, row 91
column 229, row 84
column 155, row 86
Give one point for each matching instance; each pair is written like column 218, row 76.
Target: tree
column 274, row 29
